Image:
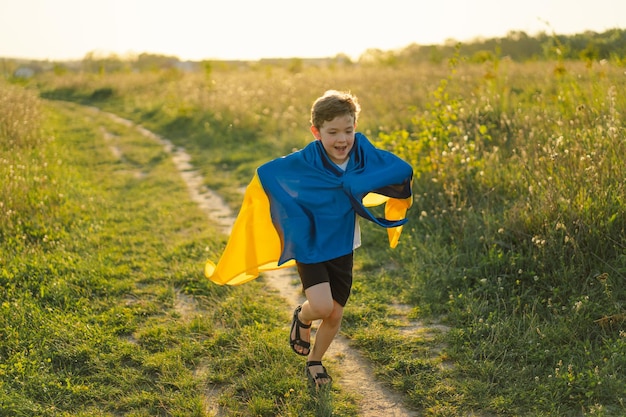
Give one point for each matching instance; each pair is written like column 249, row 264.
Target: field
column 516, row 242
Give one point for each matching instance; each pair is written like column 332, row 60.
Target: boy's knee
column 335, row 316
column 322, row 310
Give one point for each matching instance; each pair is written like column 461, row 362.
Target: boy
column 313, row 197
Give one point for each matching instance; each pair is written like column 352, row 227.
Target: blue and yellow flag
column 303, row 206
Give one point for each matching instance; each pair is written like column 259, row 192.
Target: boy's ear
column 316, row 133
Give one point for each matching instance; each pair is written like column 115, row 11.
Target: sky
column 254, row 29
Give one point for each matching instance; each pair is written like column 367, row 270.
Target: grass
column 515, row 242
column 104, row 308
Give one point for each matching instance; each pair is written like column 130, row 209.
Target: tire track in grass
column 354, row 373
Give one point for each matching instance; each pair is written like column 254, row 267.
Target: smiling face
column 337, row 137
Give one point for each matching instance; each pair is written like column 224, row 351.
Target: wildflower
column 538, row 241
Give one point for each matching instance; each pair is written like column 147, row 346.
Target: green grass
column 515, row 241
column 104, row 309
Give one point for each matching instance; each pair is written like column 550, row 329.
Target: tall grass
column 516, row 239
column 524, row 196
column 20, row 115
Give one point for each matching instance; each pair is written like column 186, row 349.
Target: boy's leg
column 320, row 305
column 326, row 332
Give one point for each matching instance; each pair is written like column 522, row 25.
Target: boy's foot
column 298, row 345
column 317, row 374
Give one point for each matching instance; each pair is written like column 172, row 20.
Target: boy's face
column 337, row 137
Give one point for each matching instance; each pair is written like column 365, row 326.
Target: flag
column 303, row 206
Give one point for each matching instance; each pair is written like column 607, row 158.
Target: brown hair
column 332, row 104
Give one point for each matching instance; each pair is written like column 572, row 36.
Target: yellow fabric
column 254, row 245
column 373, row 199
column 395, row 209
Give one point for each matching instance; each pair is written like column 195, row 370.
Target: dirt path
column 356, row 374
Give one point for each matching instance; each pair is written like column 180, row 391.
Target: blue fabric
column 313, row 202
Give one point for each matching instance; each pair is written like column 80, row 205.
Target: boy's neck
column 344, row 164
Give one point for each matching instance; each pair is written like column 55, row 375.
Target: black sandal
column 297, row 341
column 320, row 375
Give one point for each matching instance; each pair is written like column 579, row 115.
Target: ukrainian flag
column 302, row 206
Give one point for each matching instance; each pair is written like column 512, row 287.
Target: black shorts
column 337, row 272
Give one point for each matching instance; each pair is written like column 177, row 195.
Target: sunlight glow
column 247, row 29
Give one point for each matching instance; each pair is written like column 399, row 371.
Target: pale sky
column 254, row 29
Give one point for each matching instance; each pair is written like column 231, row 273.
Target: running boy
column 312, row 198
